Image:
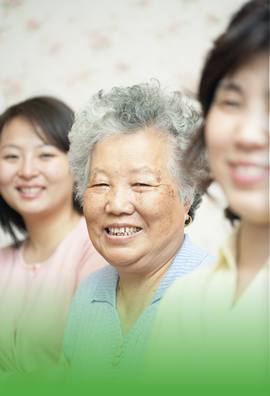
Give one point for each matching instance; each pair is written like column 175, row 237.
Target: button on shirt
column 93, row 341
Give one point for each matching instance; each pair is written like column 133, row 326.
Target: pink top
column 35, row 300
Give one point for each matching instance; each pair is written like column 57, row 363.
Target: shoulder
column 100, row 275
column 77, row 243
column 189, row 286
column 8, row 254
column 182, row 304
column 101, row 278
column 193, row 255
column 79, row 233
column 95, row 285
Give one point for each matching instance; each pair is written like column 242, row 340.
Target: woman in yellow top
column 212, row 327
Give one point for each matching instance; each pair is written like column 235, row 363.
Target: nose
column 119, row 202
column 28, row 168
column 252, row 132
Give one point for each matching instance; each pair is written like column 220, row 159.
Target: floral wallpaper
column 73, row 48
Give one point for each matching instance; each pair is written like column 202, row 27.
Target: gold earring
column 190, row 221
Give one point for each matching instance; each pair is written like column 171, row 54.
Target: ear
column 187, row 207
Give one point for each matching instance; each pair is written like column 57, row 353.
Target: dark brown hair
column 246, row 36
column 54, row 118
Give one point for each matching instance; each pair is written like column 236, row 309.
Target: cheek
column 92, row 207
column 217, row 136
column 58, row 173
column 6, row 174
column 162, row 207
column 151, row 206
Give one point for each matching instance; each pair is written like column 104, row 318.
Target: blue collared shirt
column 93, row 341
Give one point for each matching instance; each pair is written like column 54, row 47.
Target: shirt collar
column 184, row 262
column 105, row 290
column 228, row 252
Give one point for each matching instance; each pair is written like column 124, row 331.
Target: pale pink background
column 73, row 48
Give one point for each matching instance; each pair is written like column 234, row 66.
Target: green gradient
column 199, row 381
column 220, row 389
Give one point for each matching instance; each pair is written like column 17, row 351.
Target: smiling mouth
column 250, row 170
column 123, row 231
column 30, row 190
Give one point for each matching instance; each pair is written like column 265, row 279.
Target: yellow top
column 202, row 335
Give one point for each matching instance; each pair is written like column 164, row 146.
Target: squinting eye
column 47, row 155
column 141, row 185
column 11, row 157
column 229, row 103
column 100, row 185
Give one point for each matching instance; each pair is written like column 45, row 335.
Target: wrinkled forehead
column 133, row 143
column 144, row 153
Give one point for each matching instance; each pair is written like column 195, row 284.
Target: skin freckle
column 159, row 176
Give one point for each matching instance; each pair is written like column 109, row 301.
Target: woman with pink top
column 39, row 276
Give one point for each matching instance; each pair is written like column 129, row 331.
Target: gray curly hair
column 125, row 110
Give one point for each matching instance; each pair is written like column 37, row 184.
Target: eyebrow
column 230, row 86
column 144, row 169
column 11, row 145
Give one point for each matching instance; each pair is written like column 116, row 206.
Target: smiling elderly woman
column 127, row 155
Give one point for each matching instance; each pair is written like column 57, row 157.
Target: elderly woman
column 128, row 154
column 212, row 328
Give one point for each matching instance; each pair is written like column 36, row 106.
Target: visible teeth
column 31, row 190
column 249, row 170
column 123, row 230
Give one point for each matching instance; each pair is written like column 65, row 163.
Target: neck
column 253, row 252
column 46, row 233
column 253, row 246
column 135, row 293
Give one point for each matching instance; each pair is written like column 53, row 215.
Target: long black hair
column 246, row 36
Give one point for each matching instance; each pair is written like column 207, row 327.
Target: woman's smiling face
column 34, row 175
column 132, row 205
column 237, row 137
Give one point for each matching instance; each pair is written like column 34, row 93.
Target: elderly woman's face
column 132, row 206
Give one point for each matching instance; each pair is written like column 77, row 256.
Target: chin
column 120, row 259
column 250, row 207
column 252, row 215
